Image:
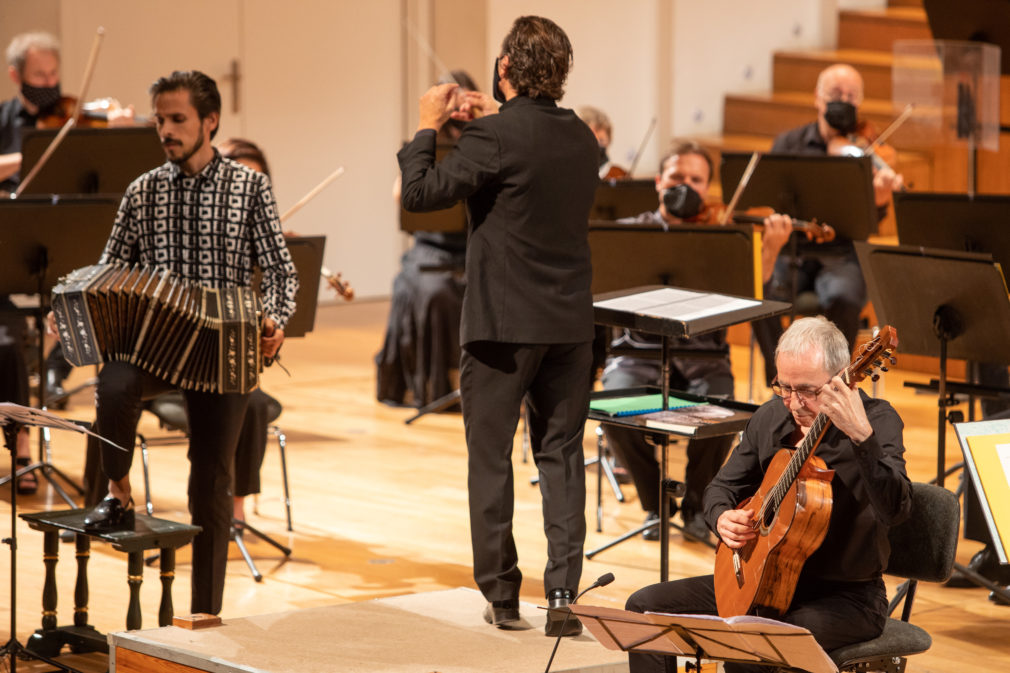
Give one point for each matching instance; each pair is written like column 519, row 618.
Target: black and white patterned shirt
column 212, row 228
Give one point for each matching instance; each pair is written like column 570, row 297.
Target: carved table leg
column 50, row 555
column 167, row 575
column 134, row 577
column 81, row 588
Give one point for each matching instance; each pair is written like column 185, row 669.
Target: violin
column 865, row 141
column 98, row 113
column 818, row 232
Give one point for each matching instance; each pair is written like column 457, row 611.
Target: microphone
column 601, row 581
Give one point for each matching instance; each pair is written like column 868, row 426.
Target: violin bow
column 744, row 179
column 641, row 146
column 69, row 124
column 891, row 128
column 341, row 286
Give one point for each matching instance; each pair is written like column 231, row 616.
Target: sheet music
column 677, row 304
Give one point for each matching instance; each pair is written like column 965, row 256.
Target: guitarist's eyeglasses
column 785, row 392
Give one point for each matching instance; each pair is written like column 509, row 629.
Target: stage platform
column 439, row 631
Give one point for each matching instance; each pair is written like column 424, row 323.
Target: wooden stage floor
column 380, row 508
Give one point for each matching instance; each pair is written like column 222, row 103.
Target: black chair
column 922, row 548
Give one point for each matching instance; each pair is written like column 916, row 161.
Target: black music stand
column 975, row 20
column 92, row 161
column 43, row 239
column 943, row 304
column 14, row 417
column 746, row 640
column 623, row 198
column 307, row 255
column 698, row 257
column 955, row 222
column 673, row 312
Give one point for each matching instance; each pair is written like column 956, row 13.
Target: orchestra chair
column 922, row 548
column 170, row 410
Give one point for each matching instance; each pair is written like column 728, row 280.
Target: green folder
column 636, row 404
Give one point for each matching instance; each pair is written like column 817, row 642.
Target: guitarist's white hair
column 816, row 334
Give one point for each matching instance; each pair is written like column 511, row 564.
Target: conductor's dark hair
column 540, row 56
column 203, row 93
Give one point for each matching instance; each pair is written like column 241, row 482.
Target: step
column 773, row 113
column 876, row 30
column 904, row 3
column 798, row 70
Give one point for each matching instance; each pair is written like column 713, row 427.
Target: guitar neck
column 803, row 451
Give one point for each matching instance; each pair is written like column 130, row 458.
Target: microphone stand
column 602, row 581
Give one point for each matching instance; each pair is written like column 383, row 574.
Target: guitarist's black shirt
column 871, row 489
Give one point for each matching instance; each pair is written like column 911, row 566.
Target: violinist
column 682, row 187
column 829, row 269
column 33, row 64
column 599, row 123
column 840, row 595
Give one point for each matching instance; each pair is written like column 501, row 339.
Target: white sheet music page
column 677, row 304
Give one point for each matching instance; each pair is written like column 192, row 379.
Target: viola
column 93, row 114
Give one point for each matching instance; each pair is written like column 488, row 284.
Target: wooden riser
column 764, row 114
column 877, row 30
column 798, row 70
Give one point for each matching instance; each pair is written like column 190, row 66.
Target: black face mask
column 495, row 81
column 45, row 98
column 841, row 116
column 682, row 202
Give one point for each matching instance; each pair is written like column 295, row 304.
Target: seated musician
column 840, row 594
column 420, row 348
column 599, row 123
column 686, row 172
column 829, row 269
column 33, row 65
column 216, row 247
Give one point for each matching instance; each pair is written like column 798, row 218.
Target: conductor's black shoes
column 502, row 614
column 110, row 515
column 560, row 620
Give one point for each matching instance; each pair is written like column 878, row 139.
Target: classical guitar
column 792, row 509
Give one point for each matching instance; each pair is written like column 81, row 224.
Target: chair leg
column 236, row 536
column 144, row 458
column 282, row 444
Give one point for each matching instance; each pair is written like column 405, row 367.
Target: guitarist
column 840, row 594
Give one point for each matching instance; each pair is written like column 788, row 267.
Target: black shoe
column 986, row 563
column 651, row 534
column 502, row 614
column 110, row 515
column 561, row 622
column 997, row 599
column 695, row 529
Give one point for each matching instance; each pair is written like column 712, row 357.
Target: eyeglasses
column 785, row 392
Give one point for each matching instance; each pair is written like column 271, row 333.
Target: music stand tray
column 795, row 185
column 307, row 254
column 746, row 639
column 623, row 198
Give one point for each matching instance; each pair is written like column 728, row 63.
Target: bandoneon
column 194, row 337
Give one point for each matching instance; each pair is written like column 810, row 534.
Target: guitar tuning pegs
column 875, row 378
column 884, row 369
column 893, row 360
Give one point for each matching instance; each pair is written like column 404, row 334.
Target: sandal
column 27, row 484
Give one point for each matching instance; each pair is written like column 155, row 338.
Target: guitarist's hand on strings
column 843, row 406
column 736, row 527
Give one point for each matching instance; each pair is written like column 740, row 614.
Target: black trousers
column 554, row 380
column 215, row 422
column 836, row 613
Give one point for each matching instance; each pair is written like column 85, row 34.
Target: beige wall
column 335, row 82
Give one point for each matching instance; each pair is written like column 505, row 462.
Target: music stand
column 13, row 417
column 92, row 161
column 955, row 222
column 44, row 239
column 669, row 313
column 623, row 198
column 943, row 304
column 795, row 185
column 307, row 255
column 747, row 640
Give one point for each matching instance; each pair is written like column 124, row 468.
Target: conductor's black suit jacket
column 528, row 175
